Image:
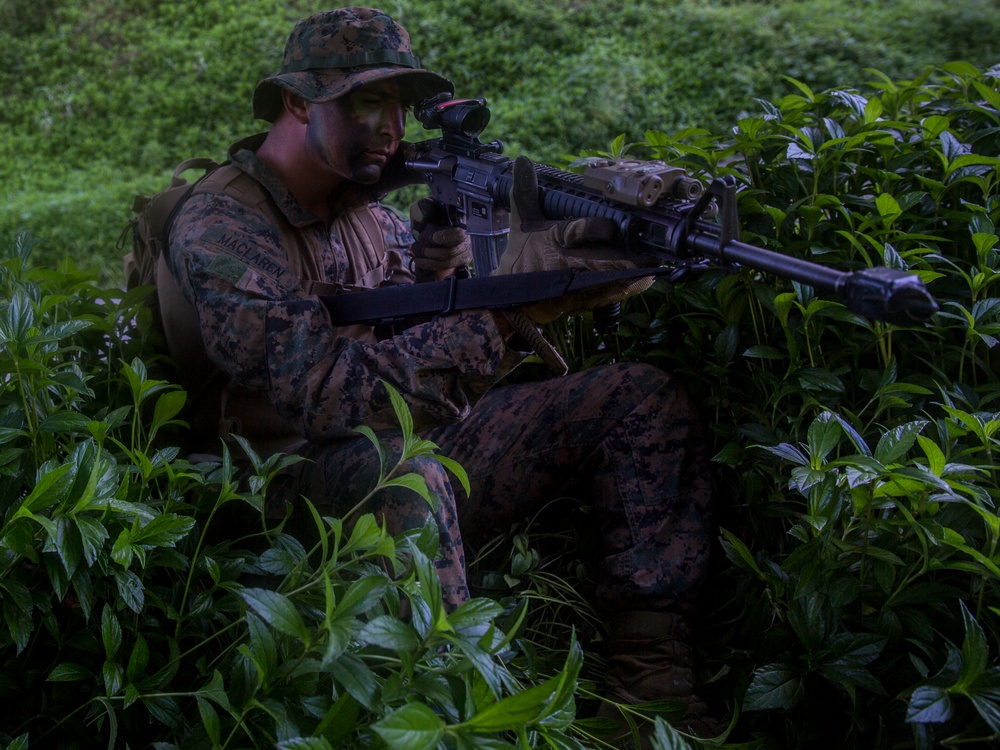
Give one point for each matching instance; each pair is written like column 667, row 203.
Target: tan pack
column 150, row 230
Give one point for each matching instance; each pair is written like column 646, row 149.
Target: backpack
column 150, row 230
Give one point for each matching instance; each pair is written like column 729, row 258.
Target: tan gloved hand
column 589, row 244
column 437, row 247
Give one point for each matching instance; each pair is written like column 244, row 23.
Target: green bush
column 136, row 614
column 856, row 604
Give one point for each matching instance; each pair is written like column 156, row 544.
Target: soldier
column 294, row 214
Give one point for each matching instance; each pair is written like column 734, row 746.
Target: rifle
column 658, row 209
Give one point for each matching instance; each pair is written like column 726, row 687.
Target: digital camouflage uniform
column 261, row 358
column 623, row 438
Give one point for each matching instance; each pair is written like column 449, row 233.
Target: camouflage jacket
column 258, row 352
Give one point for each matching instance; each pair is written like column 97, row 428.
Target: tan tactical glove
column 438, row 248
column 539, row 244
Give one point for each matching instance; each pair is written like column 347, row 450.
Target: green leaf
column 356, row 678
column 935, row 458
column 361, row 596
column 788, row 452
column 953, row 539
column 430, row 587
column 138, row 660
column 859, row 648
column 164, row 709
column 8, row 434
column 883, row 554
column 278, row 611
column 18, row 611
column 215, row 691
column 163, row 531
column 277, row 561
column 83, row 587
column 888, row 208
column 412, row 727
column 896, row 443
column 739, row 554
column 67, row 543
column 93, row 534
column 668, row 738
column 390, row 633
column 69, row 672
column 366, row 533
column 305, row 743
column 929, row 704
column 210, row 720
column 168, row 406
column 456, row 468
column 49, row 488
column 873, row 110
column 131, row 695
column 130, row 588
column 63, row 421
column 517, row 711
column 413, row 482
column 123, row 551
column 776, row 686
column 402, row 412
column 988, row 706
column 823, row 436
column 340, row 721
column 565, row 683
column 975, row 652
column 765, row 352
column 111, row 632
column 114, row 678
column 817, row 379
column 534, row 706
column 934, row 125
column 969, row 160
column 852, row 435
column 475, row 612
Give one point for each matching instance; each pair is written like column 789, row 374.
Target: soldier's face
column 357, row 134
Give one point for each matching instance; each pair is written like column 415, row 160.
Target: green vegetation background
column 102, row 98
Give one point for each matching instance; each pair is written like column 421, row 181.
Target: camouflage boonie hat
column 336, row 51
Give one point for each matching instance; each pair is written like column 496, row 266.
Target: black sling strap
column 393, row 304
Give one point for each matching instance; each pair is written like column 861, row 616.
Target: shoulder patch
column 227, row 267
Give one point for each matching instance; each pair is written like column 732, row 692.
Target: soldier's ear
column 295, row 106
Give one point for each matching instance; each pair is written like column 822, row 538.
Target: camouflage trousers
column 624, row 439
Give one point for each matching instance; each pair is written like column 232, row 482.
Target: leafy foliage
column 857, row 597
column 132, row 614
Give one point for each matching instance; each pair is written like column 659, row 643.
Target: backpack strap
column 150, row 226
column 198, row 162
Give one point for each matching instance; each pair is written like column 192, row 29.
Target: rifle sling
column 393, row 304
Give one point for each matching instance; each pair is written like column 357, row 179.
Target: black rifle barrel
column 880, row 293
column 664, row 230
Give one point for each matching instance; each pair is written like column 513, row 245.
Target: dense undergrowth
column 102, row 99
column 855, row 602
column 854, row 596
